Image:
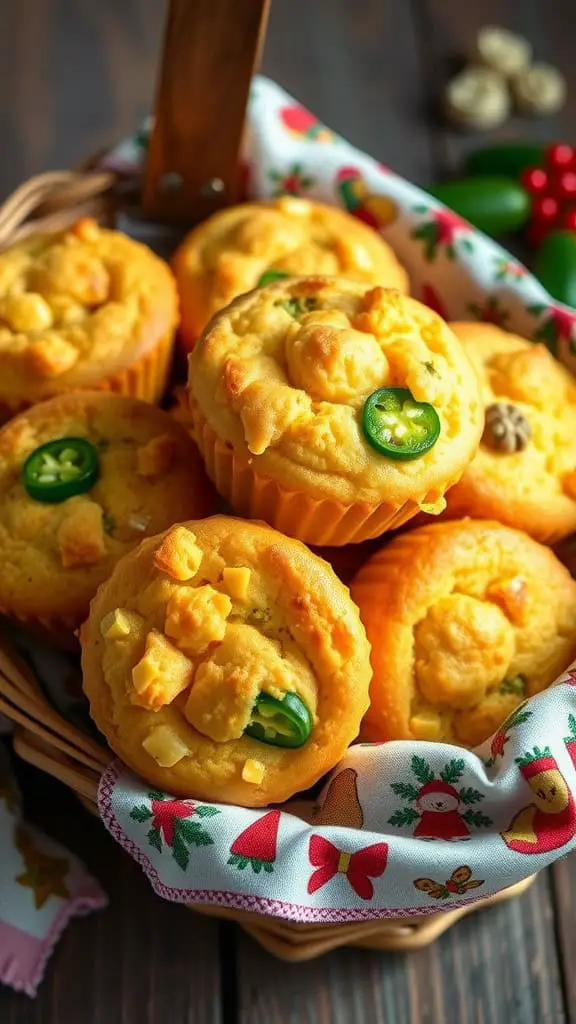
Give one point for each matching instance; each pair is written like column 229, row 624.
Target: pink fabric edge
column 256, row 904
column 79, row 906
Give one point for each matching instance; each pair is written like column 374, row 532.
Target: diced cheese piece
column 161, row 674
column 157, row 456
column 253, row 771
column 426, row 726
column 235, row 581
column 179, row 555
column 196, row 617
column 120, row 623
column 81, row 538
column 27, row 312
column 51, row 356
column 165, row 746
column 86, row 229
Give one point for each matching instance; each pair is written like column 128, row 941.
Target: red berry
column 534, row 180
column 559, row 155
column 569, row 219
column 564, row 186
column 545, row 208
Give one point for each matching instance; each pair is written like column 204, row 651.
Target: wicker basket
column 45, row 739
column 52, row 202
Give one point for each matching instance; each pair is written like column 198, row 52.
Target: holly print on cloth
column 490, row 311
column 441, row 230
column 170, row 824
column 499, row 740
column 437, row 805
column 295, row 183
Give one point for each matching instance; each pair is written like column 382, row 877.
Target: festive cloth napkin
column 399, row 828
column 42, row 887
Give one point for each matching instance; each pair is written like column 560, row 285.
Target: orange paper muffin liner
column 315, row 521
column 145, row 379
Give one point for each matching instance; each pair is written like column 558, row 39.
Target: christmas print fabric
column 399, row 828
column 42, row 887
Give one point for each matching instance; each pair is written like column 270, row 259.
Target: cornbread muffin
column 83, row 478
column 331, row 410
column 83, row 308
column 524, row 474
column 229, row 253
column 226, row 662
column 466, row 620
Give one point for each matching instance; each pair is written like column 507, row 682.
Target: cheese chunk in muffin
column 288, row 393
column 466, row 619
column 83, row 308
column 229, row 253
column 524, row 474
column 245, row 683
column 59, row 539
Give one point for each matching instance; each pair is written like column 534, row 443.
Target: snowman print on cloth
column 441, row 809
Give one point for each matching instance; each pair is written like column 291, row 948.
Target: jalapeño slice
column 398, row 426
column 271, row 275
column 60, row 469
column 280, row 723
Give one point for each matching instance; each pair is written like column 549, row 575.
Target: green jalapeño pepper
column 398, row 426
column 60, row 469
column 281, row 723
column 271, row 275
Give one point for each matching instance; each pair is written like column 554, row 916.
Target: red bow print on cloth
column 358, row 867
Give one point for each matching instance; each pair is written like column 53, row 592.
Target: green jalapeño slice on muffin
column 398, row 426
column 281, row 723
column 59, row 469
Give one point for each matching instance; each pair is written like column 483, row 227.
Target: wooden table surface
column 75, row 75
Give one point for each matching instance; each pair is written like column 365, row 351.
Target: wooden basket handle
column 211, row 48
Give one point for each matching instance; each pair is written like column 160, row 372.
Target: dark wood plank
column 447, row 30
column 141, row 961
column 564, row 893
column 495, row 967
column 356, row 65
column 74, row 76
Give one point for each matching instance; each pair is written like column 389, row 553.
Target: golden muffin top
column 76, row 305
column 54, row 553
column 188, row 635
column 466, row 620
column 228, row 253
column 525, row 471
column 284, row 373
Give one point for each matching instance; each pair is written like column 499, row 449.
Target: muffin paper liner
column 298, row 515
column 401, row 828
column 146, row 379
